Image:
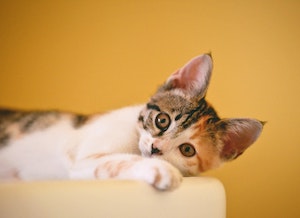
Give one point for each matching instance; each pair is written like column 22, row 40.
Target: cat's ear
column 237, row 135
column 193, row 77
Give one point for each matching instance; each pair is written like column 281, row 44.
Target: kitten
column 176, row 133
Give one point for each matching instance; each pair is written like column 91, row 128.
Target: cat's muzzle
column 155, row 151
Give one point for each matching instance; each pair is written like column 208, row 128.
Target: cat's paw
column 161, row 174
column 158, row 173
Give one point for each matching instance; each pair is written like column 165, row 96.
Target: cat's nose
column 155, row 150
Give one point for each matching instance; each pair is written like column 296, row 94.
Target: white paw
column 161, row 174
column 158, row 173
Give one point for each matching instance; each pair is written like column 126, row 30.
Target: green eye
column 162, row 121
column 187, row 150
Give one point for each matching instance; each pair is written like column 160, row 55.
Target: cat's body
column 176, row 133
column 49, row 149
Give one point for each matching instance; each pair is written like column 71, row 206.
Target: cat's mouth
column 155, row 151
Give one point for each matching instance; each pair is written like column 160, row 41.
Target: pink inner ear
column 194, row 76
column 239, row 135
column 234, row 146
column 178, row 81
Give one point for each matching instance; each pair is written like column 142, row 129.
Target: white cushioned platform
column 196, row 197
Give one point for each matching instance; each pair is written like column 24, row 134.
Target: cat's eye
column 187, row 150
column 162, row 121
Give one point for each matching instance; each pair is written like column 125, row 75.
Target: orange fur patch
column 96, row 156
column 114, row 168
column 157, row 178
column 207, row 153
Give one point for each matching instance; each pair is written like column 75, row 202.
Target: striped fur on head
column 180, row 126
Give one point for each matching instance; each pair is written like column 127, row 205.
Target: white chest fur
column 115, row 132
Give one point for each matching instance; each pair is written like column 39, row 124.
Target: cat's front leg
column 158, row 173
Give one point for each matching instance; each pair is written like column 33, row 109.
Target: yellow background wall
column 89, row 56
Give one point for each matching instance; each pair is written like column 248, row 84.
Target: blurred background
column 90, row 56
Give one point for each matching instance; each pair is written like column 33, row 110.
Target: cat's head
column 180, row 126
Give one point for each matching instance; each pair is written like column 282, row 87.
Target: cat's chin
column 146, row 154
